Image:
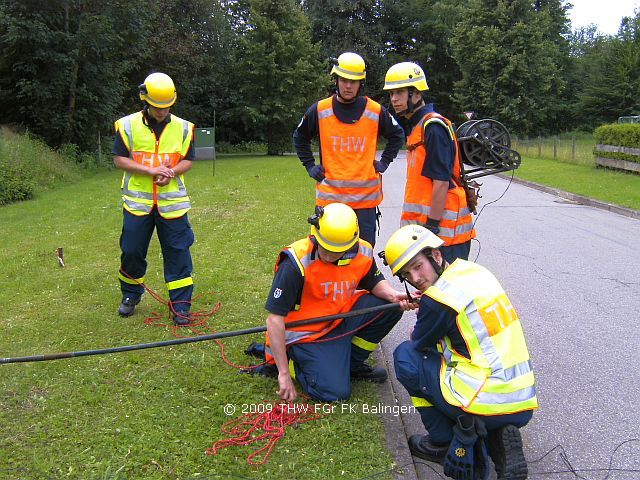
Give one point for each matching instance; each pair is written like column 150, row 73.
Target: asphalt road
column 573, row 274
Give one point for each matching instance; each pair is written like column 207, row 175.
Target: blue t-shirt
column 436, row 321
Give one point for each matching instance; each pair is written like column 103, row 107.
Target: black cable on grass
column 200, row 338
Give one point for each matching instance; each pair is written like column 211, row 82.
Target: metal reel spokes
column 485, row 145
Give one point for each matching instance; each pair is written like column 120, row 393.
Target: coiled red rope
column 265, row 428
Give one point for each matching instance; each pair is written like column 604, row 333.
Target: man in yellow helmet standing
column 155, row 150
column 348, row 126
column 329, row 272
column 466, row 365
column 434, row 196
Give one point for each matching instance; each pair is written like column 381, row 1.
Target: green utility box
column 204, row 142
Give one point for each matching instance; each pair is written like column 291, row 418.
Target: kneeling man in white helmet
column 466, row 365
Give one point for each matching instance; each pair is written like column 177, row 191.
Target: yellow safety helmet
column 405, row 74
column 406, row 243
column 158, row 90
column 350, row 65
column 335, row 227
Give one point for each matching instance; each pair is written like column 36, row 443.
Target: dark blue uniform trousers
column 419, row 372
column 367, row 224
column 175, row 237
column 452, row 252
column 324, row 368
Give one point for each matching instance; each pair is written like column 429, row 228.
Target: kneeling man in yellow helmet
column 466, row 365
column 329, row 272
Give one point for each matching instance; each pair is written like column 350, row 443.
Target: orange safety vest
column 347, row 153
column 456, row 224
column 328, row 288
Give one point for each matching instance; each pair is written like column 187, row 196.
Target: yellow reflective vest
column 139, row 193
column 498, row 378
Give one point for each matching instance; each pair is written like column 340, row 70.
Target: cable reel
column 485, row 147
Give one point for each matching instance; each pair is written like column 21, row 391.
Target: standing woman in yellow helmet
column 434, row 197
column 348, row 126
column 155, row 149
column 329, row 272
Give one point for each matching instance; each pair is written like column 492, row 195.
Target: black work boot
column 422, row 447
column 367, row 372
column 181, row 318
column 127, row 306
column 505, row 449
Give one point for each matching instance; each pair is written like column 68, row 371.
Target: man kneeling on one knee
column 329, row 272
column 466, row 361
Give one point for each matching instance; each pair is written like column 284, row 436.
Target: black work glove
column 316, row 172
column 433, row 226
column 379, row 166
column 458, row 463
column 481, row 467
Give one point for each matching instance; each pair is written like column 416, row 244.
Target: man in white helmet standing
column 434, row 196
column 155, row 150
column 466, row 364
column 348, row 126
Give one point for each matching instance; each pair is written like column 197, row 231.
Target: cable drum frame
column 485, row 148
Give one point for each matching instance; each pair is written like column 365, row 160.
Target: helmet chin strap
column 410, row 105
column 438, row 267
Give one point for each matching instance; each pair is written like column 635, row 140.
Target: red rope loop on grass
column 199, row 324
column 266, row 427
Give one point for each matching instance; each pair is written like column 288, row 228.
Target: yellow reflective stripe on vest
column 183, row 282
column 420, row 402
column 364, row 344
column 443, row 123
column 131, row 281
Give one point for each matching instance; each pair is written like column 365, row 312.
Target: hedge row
column 625, row 135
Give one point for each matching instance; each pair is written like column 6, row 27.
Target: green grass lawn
column 602, row 184
column 152, row 413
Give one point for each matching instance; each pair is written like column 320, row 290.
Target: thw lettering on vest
column 342, row 289
column 151, row 159
column 498, row 315
column 348, row 144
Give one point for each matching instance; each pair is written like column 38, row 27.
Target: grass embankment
column 152, row 413
column 577, row 173
column 29, row 166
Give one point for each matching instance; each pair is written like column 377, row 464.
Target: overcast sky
column 604, row 13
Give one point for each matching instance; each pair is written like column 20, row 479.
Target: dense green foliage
column 68, row 69
column 625, row 135
column 29, row 166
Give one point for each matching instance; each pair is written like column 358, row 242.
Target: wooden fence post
column 555, row 147
column 573, row 148
column 539, row 146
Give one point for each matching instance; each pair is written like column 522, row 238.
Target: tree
column 612, row 85
column 508, row 63
column 62, row 65
column 420, row 31
column 350, row 25
column 280, row 73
